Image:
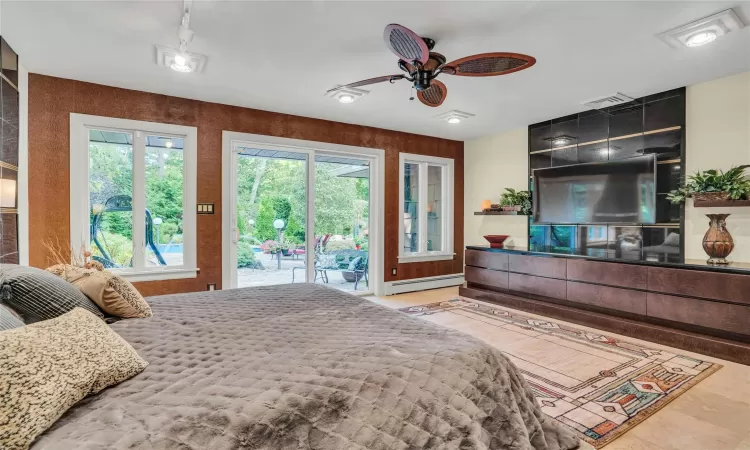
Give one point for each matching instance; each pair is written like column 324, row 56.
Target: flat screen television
column 622, row 191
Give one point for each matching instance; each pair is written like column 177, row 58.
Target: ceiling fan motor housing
column 422, row 79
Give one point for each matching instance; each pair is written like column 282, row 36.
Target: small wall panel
column 613, row 274
column 607, row 297
column 492, row 278
column 538, row 265
column 488, row 260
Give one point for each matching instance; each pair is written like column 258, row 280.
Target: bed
column 305, row 367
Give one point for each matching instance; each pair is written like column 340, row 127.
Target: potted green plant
column 358, row 241
column 714, row 185
column 521, row 200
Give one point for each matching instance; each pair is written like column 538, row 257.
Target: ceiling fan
column 422, row 65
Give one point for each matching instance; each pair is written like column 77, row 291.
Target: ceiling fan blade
column 434, row 95
column 405, row 43
column 489, row 64
column 368, row 81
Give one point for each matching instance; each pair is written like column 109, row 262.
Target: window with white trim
column 426, row 205
column 125, row 173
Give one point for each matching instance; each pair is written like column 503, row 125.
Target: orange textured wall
column 51, row 100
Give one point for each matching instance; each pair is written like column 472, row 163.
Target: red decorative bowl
column 496, row 240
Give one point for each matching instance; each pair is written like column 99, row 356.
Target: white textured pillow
column 47, row 367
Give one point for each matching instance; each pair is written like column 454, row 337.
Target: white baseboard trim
column 423, row 284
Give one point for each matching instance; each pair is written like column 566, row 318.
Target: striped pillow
column 37, row 295
column 8, row 319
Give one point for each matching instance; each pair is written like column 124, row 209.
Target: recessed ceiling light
column 345, row 94
column 701, row 38
column 454, row 116
column 703, row 31
column 168, row 144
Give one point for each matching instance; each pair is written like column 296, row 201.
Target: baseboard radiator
column 423, row 284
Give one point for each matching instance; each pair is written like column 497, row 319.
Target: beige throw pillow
column 113, row 294
column 46, row 367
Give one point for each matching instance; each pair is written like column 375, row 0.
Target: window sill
column 157, row 275
column 421, row 257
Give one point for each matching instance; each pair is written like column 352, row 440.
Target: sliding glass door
column 342, row 221
column 299, row 215
column 270, row 216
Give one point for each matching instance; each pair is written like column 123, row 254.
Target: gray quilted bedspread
column 305, row 367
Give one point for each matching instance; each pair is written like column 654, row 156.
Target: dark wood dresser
column 691, row 306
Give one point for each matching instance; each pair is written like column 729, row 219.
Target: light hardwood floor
column 713, row 415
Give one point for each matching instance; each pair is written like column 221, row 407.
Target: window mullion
column 139, row 200
column 422, row 213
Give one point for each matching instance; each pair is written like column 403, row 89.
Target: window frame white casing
column 79, row 192
column 447, row 197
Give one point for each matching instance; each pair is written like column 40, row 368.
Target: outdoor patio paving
column 270, row 275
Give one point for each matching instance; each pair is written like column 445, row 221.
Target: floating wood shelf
column 498, row 213
column 720, row 203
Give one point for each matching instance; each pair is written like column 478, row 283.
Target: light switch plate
column 205, row 208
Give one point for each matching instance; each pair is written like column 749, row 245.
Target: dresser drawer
column 704, row 313
column 488, row 260
column 607, row 297
column 727, row 287
column 612, row 274
column 547, row 287
column 491, row 278
column 538, row 265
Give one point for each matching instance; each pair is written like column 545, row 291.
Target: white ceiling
column 282, row 56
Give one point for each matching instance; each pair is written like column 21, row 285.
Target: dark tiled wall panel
column 654, row 124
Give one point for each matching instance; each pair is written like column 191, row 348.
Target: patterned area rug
column 599, row 385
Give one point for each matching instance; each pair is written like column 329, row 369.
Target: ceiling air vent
column 609, row 100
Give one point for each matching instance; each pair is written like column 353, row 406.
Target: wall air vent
column 609, row 100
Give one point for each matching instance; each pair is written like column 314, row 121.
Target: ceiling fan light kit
column 422, row 66
column 703, row 31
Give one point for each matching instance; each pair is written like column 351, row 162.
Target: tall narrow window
column 426, row 199
column 133, row 194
